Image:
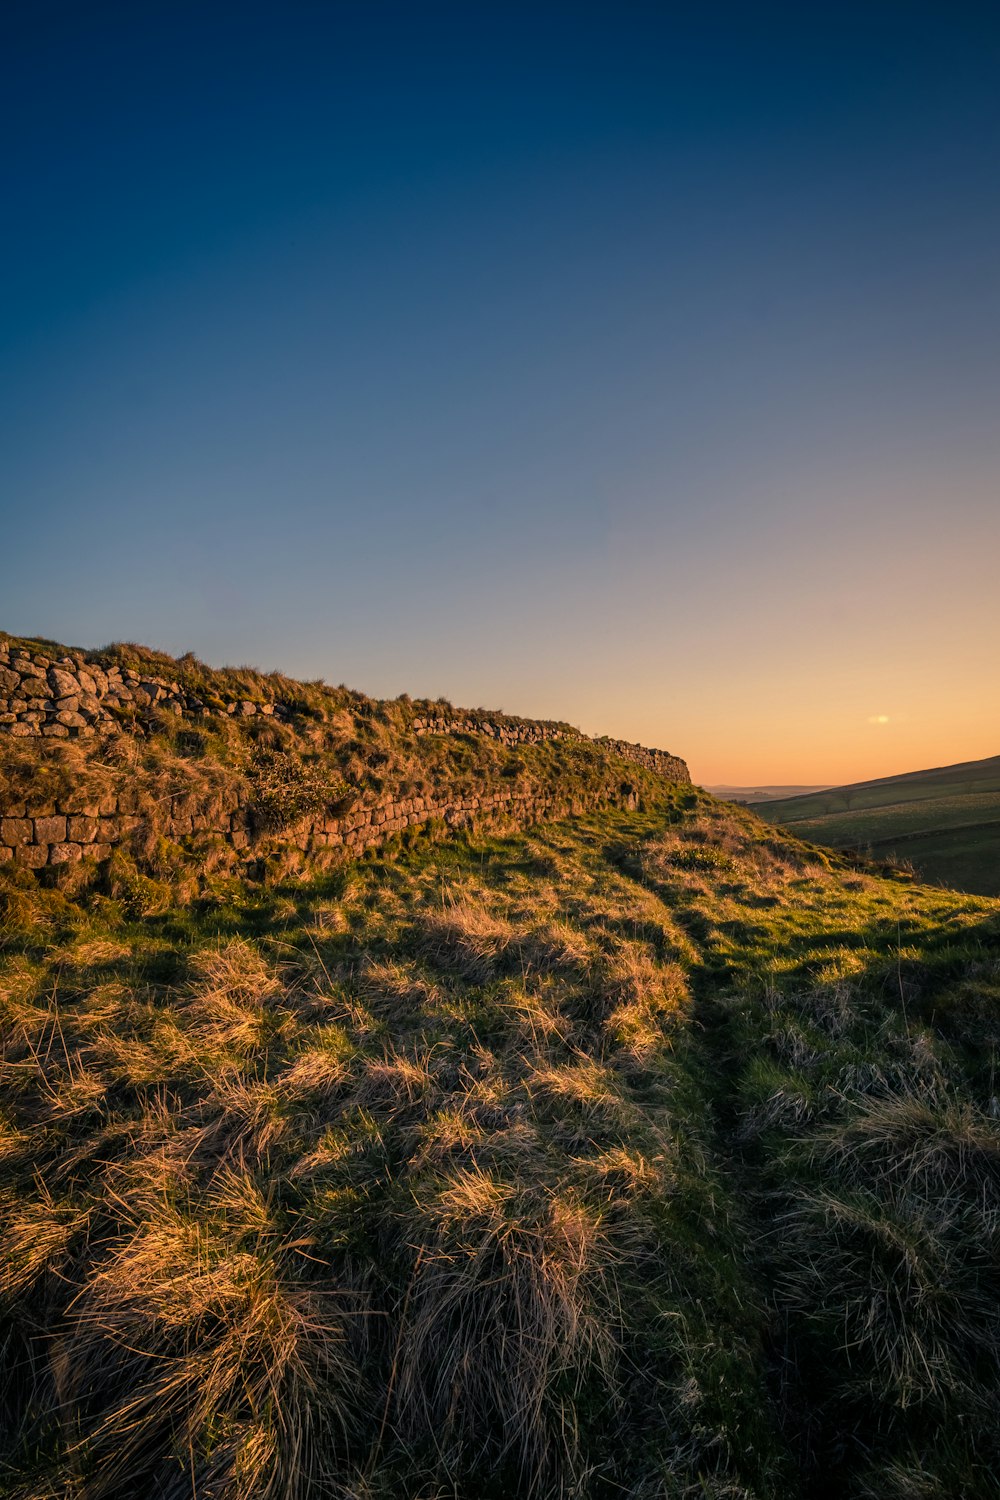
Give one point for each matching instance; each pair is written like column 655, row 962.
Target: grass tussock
column 576, row 1164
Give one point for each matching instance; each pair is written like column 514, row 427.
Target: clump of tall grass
column 549, row 1167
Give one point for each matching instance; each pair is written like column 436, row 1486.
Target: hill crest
column 128, row 747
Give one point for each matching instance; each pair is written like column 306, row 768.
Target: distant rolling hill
column 944, row 821
column 757, row 794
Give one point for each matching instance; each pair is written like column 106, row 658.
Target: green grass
column 942, row 782
column 651, row 1154
column 945, row 822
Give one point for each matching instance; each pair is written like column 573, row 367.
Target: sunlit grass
column 647, row 1154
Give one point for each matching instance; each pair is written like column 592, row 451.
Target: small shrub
column 286, row 789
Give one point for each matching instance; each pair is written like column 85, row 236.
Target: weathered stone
column 27, row 666
column 81, row 830
column 50, row 830
column 64, row 854
column 64, row 684
column 34, row 687
column 55, row 731
column 34, row 856
column 71, row 720
column 17, row 830
column 5, row 854
column 9, row 681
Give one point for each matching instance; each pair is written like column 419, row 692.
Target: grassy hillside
column 756, row 794
column 653, row 1154
column 945, row 822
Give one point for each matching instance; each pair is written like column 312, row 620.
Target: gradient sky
column 631, row 364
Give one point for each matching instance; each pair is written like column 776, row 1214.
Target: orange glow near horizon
column 832, row 642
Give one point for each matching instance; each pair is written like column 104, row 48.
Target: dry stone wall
column 507, row 731
column 658, row 761
column 75, row 696
column 58, row 833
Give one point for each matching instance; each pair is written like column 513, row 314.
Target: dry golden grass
column 563, row 1166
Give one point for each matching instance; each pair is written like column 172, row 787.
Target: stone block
column 64, row 684
column 33, row 856
column 79, row 807
column 17, row 830
column 81, row 830
column 64, row 854
column 5, row 854
column 50, row 830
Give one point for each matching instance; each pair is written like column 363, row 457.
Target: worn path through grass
column 647, row 1154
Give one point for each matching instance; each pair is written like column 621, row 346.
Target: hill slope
column 650, row 1153
column 945, row 821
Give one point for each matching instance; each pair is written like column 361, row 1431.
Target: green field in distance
column 945, row 821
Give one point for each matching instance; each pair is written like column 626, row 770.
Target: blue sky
column 630, row 364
